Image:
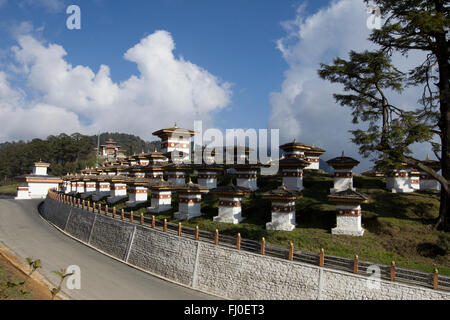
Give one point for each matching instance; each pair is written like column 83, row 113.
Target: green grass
column 8, row 189
column 399, row 227
column 11, row 287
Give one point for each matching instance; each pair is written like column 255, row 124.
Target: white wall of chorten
column 399, row 181
column 283, row 216
column 207, row 179
column 343, row 180
column 230, row 210
column 348, row 220
column 293, row 179
column 189, row 206
column 160, row 201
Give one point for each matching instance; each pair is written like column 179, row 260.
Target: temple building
column 295, row 149
column 161, row 196
column 207, row 174
column 427, row 182
column 399, row 181
column 118, row 185
column 111, row 151
column 292, row 172
column 313, row 157
column 311, row 154
column 283, row 208
column 415, row 179
column 137, row 191
column 102, row 188
column 37, row 184
column 175, row 139
column 189, row 200
column 246, row 175
column 230, row 203
column 348, row 212
column 343, row 175
column 176, row 173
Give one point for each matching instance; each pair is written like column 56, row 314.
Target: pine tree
column 369, row 77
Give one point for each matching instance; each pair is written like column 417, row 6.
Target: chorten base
column 348, row 232
column 280, row 226
column 227, row 215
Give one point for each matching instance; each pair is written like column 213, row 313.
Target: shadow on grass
column 412, row 206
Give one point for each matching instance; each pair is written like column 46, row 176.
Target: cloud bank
column 304, row 108
column 64, row 98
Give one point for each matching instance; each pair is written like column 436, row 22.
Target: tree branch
column 419, row 165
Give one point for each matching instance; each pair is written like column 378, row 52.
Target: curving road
column 102, row 278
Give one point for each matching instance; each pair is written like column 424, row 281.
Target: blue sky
column 234, row 40
column 137, row 66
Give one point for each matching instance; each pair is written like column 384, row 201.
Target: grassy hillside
column 399, row 227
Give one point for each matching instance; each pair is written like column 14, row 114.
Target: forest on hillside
column 65, row 153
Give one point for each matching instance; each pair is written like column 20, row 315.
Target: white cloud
column 305, row 108
column 167, row 89
column 52, row 6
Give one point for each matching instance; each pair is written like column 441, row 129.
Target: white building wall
column 229, row 214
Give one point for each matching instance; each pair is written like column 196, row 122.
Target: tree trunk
column 444, row 125
column 443, row 222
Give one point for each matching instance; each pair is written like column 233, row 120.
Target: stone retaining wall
column 219, row 270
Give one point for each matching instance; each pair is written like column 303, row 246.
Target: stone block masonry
column 162, row 253
column 111, row 236
column 220, row 270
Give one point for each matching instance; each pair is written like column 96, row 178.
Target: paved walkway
column 24, row 232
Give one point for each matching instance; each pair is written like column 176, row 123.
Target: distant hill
column 69, row 153
column 65, row 153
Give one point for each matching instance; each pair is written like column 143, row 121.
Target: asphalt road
column 24, row 232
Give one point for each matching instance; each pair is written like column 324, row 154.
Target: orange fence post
column 122, row 214
column 165, row 225
column 83, row 204
column 79, row 203
column 435, row 279
column 291, row 251
column 179, row 229
column 89, row 206
column 216, row 237
column 153, row 222
column 99, row 208
column 197, row 233
column 142, row 219
column 131, row 216
column 238, row 241
column 263, row 246
column 322, row 258
column 93, row 206
column 106, row 210
column 393, row 271
column 114, row 212
column 356, row 264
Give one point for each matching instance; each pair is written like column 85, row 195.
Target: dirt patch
column 13, row 270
